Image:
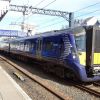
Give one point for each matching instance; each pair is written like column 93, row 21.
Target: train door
column 89, row 50
column 96, row 51
column 96, row 54
column 93, row 50
column 39, row 47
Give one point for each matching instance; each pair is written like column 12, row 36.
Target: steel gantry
column 69, row 16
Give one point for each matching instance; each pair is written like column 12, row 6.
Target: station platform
column 9, row 89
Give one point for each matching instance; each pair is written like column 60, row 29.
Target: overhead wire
column 49, row 4
column 53, row 19
column 75, row 17
column 88, row 13
column 21, row 16
column 51, row 24
column 34, row 6
column 39, row 3
column 43, row 7
column 74, row 11
column 82, row 14
column 87, row 7
column 97, row 3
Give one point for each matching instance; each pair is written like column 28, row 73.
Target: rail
column 43, row 84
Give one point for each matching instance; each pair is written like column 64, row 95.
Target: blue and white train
column 71, row 53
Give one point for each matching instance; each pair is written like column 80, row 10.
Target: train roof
column 45, row 34
column 76, row 31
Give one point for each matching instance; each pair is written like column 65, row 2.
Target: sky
column 42, row 23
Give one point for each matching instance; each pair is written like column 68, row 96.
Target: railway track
column 58, row 94
column 97, row 83
column 92, row 88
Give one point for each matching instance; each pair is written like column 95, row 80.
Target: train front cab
column 87, row 43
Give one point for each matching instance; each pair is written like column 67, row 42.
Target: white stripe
column 16, row 85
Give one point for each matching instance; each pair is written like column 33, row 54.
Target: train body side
column 59, row 47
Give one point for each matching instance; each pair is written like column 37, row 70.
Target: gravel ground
column 37, row 92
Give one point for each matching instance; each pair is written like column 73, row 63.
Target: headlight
column 74, row 54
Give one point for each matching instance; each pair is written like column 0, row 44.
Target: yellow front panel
column 82, row 58
column 96, row 58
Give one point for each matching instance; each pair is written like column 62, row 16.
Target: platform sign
column 12, row 33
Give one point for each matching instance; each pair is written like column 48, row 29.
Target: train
column 73, row 53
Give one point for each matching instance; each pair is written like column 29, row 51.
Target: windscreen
column 80, row 43
column 80, row 40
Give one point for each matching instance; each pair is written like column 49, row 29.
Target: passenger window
column 61, row 46
column 48, row 46
column 32, row 45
